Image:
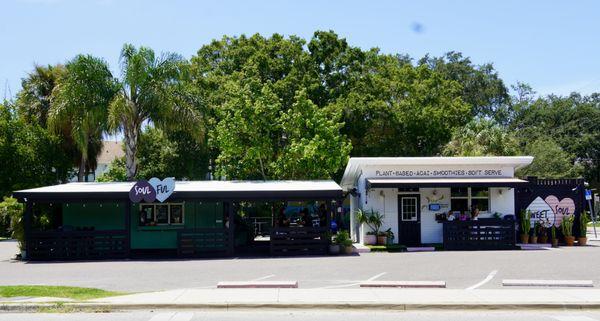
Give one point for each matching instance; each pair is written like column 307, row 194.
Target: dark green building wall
column 196, row 215
column 111, row 216
column 102, row 216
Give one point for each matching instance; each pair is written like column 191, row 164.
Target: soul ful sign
column 151, row 190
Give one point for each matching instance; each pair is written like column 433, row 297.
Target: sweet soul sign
column 151, row 190
column 550, row 211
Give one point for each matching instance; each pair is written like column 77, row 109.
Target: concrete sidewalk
column 364, row 298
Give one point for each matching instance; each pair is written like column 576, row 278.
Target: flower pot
column 349, row 249
column 554, row 242
column 381, row 240
column 569, row 240
column 543, row 239
column 334, row 249
column 533, row 239
column 370, row 239
column 524, row 238
column 582, row 241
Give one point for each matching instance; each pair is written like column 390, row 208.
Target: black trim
column 442, row 184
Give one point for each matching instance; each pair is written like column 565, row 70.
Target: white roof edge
column 353, row 168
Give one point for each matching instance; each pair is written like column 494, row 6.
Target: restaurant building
column 424, row 199
column 167, row 218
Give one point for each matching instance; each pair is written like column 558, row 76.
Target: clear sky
column 552, row 45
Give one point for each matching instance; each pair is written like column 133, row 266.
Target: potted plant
column 554, row 239
column 542, row 234
column 373, row 219
column 390, row 236
column 533, row 238
column 344, row 241
column 334, row 247
column 584, row 219
column 567, row 229
column 525, row 226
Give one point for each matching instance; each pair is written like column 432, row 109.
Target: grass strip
column 54, row 291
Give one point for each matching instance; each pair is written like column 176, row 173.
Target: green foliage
column 152, row 90
column 553, row 232
column 525, row 221
column 116, row 172
column 80, row 102
column 12, row 211
column 569, row 122
column 34, row 100
column 550, row 161
column 29, row 155
column 342, row 238
column 482, row 88
column 481, row 137
column 567, row 225
column 54, row 291
column 584, row 219
column 373, row 219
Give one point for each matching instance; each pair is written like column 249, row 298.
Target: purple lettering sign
column 142, row 190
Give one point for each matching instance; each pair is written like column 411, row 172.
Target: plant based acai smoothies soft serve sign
column 151, row 190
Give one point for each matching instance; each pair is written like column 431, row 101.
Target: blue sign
column 434, row 207
column 588, row 194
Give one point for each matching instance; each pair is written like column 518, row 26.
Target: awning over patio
column 223, row 190
column 445, row 182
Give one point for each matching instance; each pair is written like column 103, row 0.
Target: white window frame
column 416, row 216
column 470, row 198
column 155, row 205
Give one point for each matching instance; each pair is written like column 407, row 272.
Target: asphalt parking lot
column 460, row 270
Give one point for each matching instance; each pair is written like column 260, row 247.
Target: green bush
column 584, row 219
column 343, row 238
column 525, row 221
column 12, row 211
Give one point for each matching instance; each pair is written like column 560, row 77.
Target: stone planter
column 369, row 239
column 569, row 240
column 524, row 238
column 582, row 241
column 349, row 249
column 334, row 249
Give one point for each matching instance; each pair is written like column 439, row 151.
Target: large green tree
column 151, row 91
column 29, row 155
column 33, row 100
column 80, row 102
column 572, row 122
column 549, row 160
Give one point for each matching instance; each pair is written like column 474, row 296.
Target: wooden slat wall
column 203, row 242
column 79, row 245
column 299, row 241
column 483, row 234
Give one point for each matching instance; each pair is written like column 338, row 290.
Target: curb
column 301, row 306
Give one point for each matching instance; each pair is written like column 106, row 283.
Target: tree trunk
column 81, row 172
column 131, row 141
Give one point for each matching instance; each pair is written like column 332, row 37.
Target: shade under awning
column 445, row 182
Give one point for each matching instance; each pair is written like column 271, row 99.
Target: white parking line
column 354, row 283
column 484, row 281
column 263, row 278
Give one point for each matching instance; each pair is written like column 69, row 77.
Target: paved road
column 314, row 315
column 485, row 269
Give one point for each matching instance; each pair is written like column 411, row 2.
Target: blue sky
column 552, row 45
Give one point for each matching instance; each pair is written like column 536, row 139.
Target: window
column 161, row 214
column 462, row 198
column 409, row 208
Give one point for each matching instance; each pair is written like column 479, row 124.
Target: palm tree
column 151, row 91
column 33, row 101
column 81, row 100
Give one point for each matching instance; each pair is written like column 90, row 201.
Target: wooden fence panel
column 77, row 245
column 299, row 241
column 483, row 234
column 203, row 242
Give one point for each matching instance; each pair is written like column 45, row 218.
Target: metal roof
column 240, row 190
